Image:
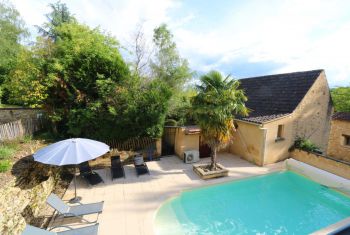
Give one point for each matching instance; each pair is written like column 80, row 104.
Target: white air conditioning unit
column 191, row 156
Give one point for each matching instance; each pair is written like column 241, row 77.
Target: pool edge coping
column 333, row 227
column 323, row 231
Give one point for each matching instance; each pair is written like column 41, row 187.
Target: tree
column 26, row 85
column 141, row 54
column 59, row 15
column 341, row 99
column 214, row 107
column 167, row 64
column 12, row 30
column 70, row 74
column 137, row 110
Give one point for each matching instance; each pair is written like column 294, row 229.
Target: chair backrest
column 115, row 161
column 56, row 203
column 85, row 168
column 138, row 160
column 31, row 230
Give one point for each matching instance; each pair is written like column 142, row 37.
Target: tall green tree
column 218, row 100
column 69, row 75
column 341, row 99
column 167, row 64
column 12, row 30
column 59, row 15
column 137, row 110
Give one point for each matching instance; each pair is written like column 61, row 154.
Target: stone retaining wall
column 322, row 162
column 21, row 201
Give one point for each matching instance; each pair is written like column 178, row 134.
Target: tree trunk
column 213, row 159
column 54, row 128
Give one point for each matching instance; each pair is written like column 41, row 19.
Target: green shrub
column 6, row 151
column 5, row 165
column 306, row 144
column 27, row 139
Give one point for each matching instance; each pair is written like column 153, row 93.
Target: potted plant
column 218, row 100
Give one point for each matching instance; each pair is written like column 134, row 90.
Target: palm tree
column 214, row 107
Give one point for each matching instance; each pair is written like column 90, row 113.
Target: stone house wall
column 336, row 147
column 312, row 117
column 248, row 142
column 184, row 142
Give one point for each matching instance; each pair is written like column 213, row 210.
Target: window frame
column 346, row 140
column 280, row 133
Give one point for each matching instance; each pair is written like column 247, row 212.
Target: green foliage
column 214, row 107
column 26, row 86
column 12, row 30
column 6, row 151
column 5, row 165
column 81, row 80
column 133, row 111
column 168, row 65
column 180, row 108
column 341, row 99
column 305, row 144
column 70, row 77
column 59, row 15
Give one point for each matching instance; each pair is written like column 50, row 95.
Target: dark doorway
column 168, row 141
column 204, row 149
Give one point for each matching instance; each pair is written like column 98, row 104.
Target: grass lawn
column 13, row 150
column 7, row 151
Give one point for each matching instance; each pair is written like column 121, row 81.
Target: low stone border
column 210, row 174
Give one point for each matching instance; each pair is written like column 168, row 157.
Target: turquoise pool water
column 278, row 203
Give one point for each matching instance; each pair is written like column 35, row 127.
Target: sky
column 242, row 38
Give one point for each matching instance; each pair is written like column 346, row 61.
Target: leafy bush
column 6, row 151
column 5, row 165
column 306, row 144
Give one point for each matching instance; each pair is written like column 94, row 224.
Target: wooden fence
column 135, row 144
column 19, row 128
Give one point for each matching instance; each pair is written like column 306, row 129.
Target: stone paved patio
column 131, row 203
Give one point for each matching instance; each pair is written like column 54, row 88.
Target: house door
column 204, row 149
column 168, row 141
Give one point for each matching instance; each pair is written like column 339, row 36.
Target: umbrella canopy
column 71, row 152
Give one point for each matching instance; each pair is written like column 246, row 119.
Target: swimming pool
column 278, row 203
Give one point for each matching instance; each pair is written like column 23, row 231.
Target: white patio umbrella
column 71, row 152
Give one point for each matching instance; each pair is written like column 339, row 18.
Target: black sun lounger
column 89, row 175
column 117, row 170
column 140, row 166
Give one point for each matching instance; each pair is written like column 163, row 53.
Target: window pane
column 347, row 140
column 280, row 131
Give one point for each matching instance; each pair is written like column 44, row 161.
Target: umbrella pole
column 75, row 199
column 75, row 183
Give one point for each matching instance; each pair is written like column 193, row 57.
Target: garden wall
column 336, row 145
column 13, row 114
column 322, row 162
column 21, row 201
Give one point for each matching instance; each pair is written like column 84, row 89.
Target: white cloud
column 119, row 18
column 299, row 35
column 295, row 34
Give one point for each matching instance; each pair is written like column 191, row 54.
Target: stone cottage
column 339, row 138
column 283, row 107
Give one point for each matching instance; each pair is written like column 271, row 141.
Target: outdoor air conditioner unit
column 191, row 156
